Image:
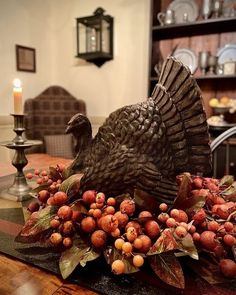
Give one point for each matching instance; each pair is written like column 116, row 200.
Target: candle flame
column 17, row 83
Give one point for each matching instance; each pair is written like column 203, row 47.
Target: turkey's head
column 80, row 126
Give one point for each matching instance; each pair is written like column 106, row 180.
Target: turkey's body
column 144, row 146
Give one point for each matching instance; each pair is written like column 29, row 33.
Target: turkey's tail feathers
column 179, row 101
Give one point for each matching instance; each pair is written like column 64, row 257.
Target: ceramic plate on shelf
column 187, row 57
column 227, row 53
column 181, row 7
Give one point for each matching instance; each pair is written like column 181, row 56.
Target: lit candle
column 17, row 93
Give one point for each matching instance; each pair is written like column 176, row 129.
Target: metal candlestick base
column 20, row 189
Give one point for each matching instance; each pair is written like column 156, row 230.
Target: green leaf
column 229, row 193
column 145, row 201
column 184, row 190
column 167, row 267
column 71, row 185
column 111, row 254
column 166, row 242
column 226, row 180
column 187, row 246
column 79, row 254
column 71, row 258
column 39, row 188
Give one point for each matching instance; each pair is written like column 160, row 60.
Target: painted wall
column 118, row 82
column 50, row 29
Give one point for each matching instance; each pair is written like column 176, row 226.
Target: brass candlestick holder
column 20, row 189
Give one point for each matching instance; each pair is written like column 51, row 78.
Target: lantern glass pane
column 105, row 36
column 82, row 38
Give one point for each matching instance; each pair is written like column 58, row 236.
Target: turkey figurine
column 146, row 145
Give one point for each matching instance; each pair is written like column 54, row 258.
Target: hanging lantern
column 95, row 37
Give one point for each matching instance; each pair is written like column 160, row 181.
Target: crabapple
column 138, row 243
column 182, row 216
column 138, row 260
column 29, row 175
column 55, row 223
column 136, row 225
column 131, row 234
column 163, row 217
column 208, row 240
column 64, row 212
column 67, row 242
column 88, row 224
column 109, row 223
column 152, row 228
column 213, row 225
column 111, row 201
column 228, row 226
column 56, row 238
column 98, row 238
column 144, row 214
column 33, row 206
column 127, row 247
column 119, row 243
column 118, row 267
column 170, row 222
column 199, row 216
column 43, row 195
column 228, row 268
column 127, row 206
column 146, row 243
column 229, row 240
column 68, row 227
column 122, row 218
column 60, row 198
column 180, row 231
column 163, row 207
column 100, row 198
column 89, row 196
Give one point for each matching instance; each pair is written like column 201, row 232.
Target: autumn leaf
column 229, row 193
column 145, row 200
column 36, row 225
column 166, row 242
column 79, row 254
column 71, row 185
column 187, row 246
column 167, row 267
column 184, row 190
column 54, row 174
column 37, row 189
column 111, row 254
column 78, row 206
column 226, row 180
column 193, row 203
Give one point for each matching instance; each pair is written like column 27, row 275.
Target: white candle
column 17, row 93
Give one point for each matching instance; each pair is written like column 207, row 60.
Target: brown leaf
column 167, row 267
column 54, row 174
column 145, row 201
column 166, row 242
column 35, row 227
column 184, row 190
column 78, row 206
column 193, row 203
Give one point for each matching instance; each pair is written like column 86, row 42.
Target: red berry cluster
column 105, row 221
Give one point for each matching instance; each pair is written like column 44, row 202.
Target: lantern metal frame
column 97, row 56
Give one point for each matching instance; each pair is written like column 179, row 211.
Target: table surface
column 17, row 277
